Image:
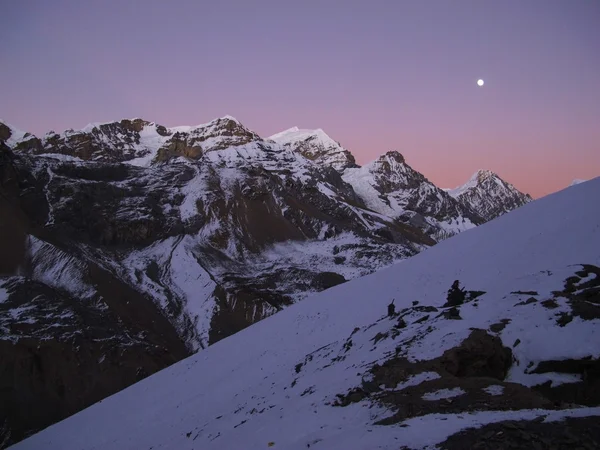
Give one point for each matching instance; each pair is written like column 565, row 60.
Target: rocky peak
column 219, row 134
column 317, row 146
column 391, row 162
column 126, row 126
column 391, row 187
column 482, row 175
column 489, row 195
column 136, row 141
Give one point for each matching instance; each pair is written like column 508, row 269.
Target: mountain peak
column 395, row 156
column 489, row 195
column 317, row 146
column 577, row 181
column 483, row 174
column 135, row 124
column 228, row 117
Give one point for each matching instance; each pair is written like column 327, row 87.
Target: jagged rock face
column 164, row 255
column 137, row 141
column 178, row 145
column 317, row 146
column 220, row 134
column 113, row 142
column 71, row 332
column 489, row 195
column 393, row 188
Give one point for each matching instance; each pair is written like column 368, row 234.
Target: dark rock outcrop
column 480, row 355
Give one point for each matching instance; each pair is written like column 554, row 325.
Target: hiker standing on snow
column 391, row 309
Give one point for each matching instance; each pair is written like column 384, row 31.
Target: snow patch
column 443, row 394
column 494, row 389
column 415, row 380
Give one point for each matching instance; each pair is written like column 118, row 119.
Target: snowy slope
column 489, row 195
column 391, row 187
column 275, row 384
column 317, row 146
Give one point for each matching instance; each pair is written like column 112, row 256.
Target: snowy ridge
column 254, row 388
column 317, row 146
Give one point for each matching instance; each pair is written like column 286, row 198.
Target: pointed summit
column 489, row 195
column 317, row 146
column 577, row 181
column 394, row 156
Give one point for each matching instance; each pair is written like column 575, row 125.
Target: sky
column 375, row 75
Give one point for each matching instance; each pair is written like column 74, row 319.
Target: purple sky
column 375, row 75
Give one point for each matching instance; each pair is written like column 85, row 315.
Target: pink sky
column 376, row 76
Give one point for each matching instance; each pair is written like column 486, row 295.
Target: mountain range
column 493, row 345
column 128, row 245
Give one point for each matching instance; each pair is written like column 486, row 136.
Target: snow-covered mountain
column 489, row 195
column 577, row 181
column 317, row 146
column 203, row 231
column 128, row 245
column 514, row 362
column 391, row 187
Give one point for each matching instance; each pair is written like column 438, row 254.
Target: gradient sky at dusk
column 375, row 75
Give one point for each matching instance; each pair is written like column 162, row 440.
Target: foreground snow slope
column 274, row 382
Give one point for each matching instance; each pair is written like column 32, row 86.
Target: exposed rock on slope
column 71, row 332
column 489, row 196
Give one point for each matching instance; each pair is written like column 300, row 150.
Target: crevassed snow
column 245, row 391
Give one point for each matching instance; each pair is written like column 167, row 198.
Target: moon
column 480, row 82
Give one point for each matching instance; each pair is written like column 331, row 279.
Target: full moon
column 480, row 82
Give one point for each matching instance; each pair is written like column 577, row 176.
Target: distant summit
column 577, row 181
column 391, row 187
column 489, row 195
